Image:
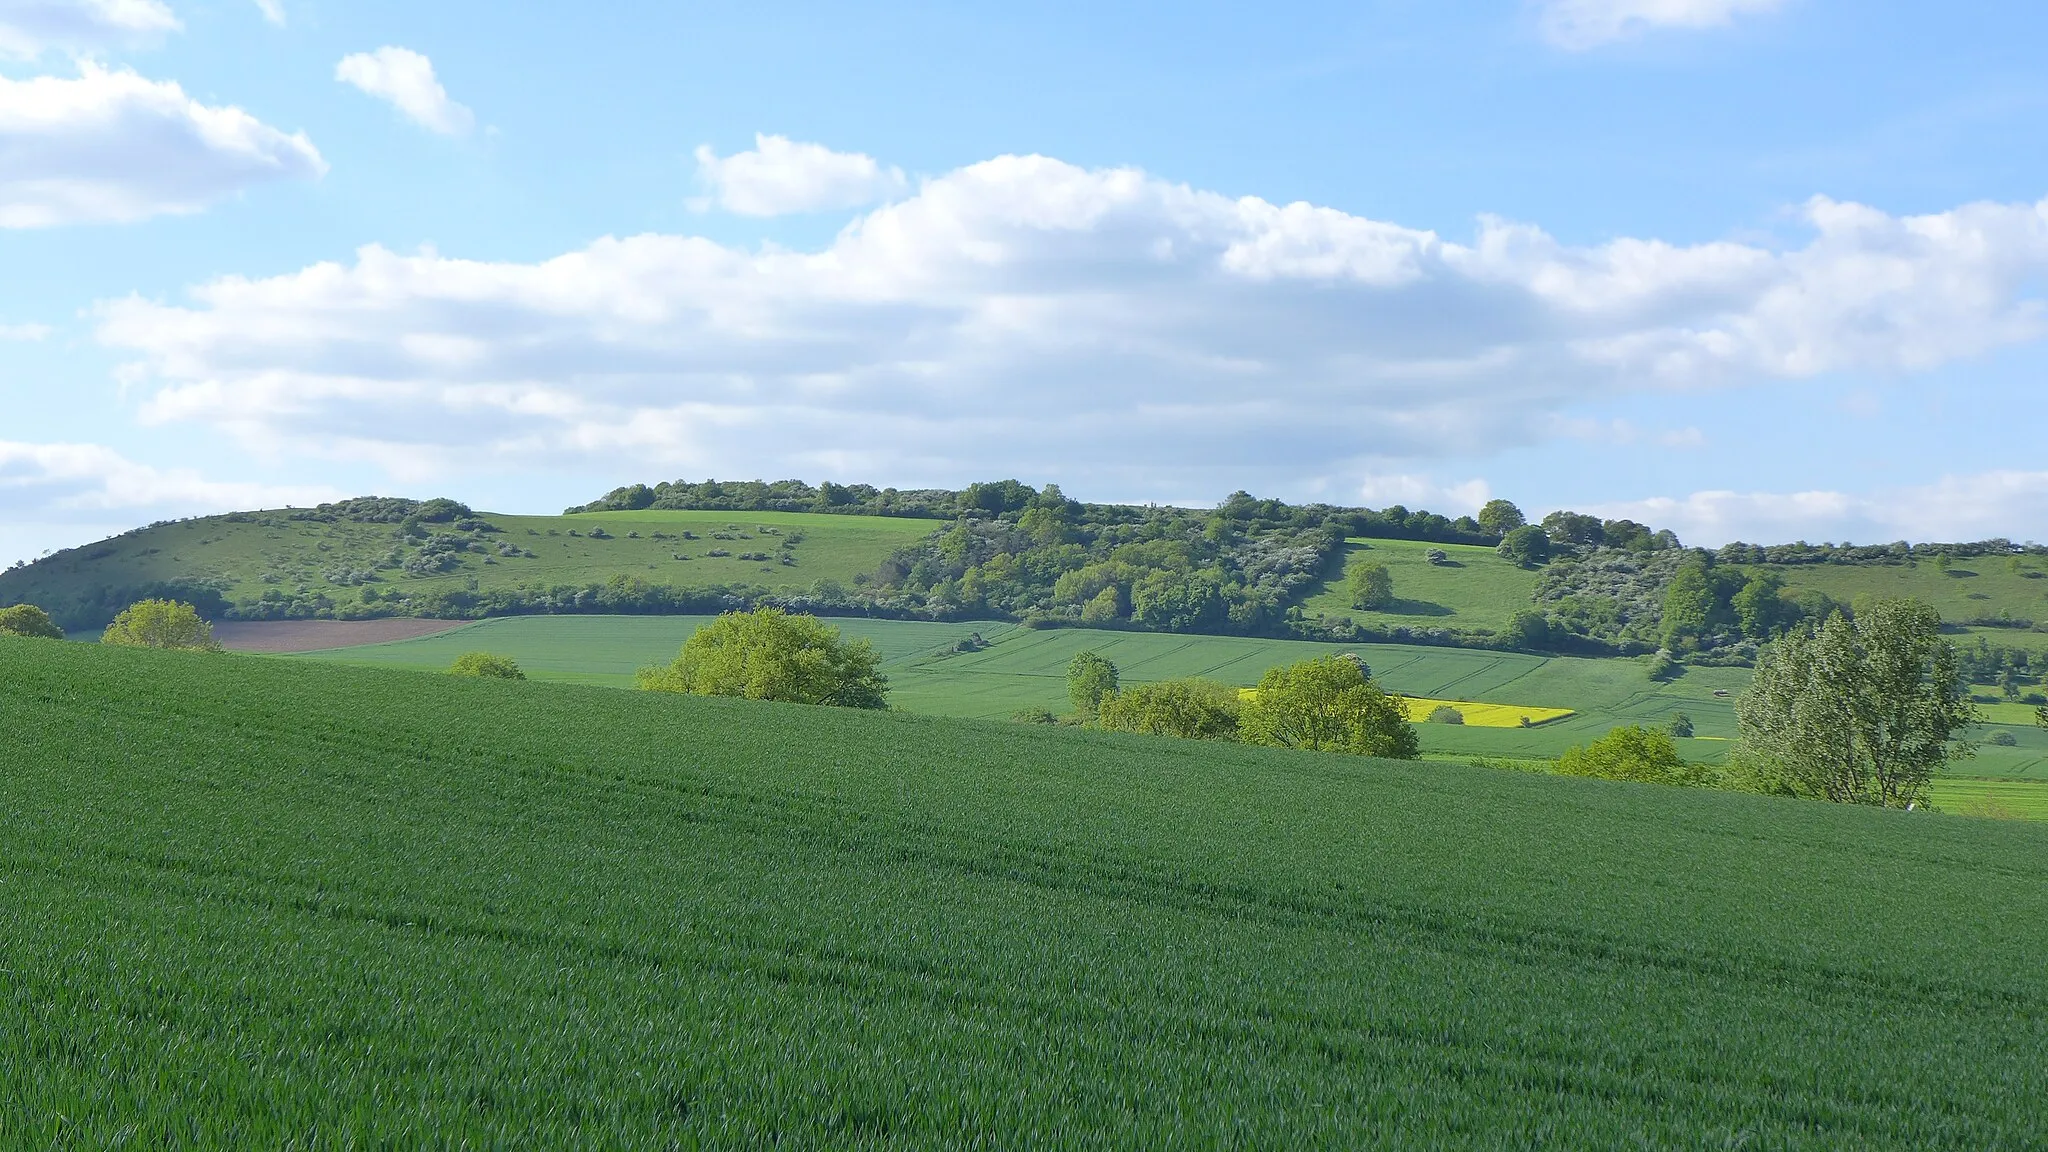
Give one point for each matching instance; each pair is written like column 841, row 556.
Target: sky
column 1746, row 269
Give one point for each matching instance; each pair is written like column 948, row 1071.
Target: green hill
column 262, row 902
column 300, row 563
column 1472, row 588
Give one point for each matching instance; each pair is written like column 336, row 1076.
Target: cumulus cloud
column 781, row 177
column 273, row 12
column 24, row 333
column 1418, row 491
column 28, row 28
column 112, row 147
column 1583, row 24
column 1027, row 316
column 405, row 79
column 1956, row 507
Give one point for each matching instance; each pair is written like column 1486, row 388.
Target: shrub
column 29, row 620
column 2004, row 739
column 1437, row 556
column 768, row 654
column 1034, row 716
column 1631, row 753
column 1193, row 709
column 1090, row 681
column 1445, row 714
column 1680, row 725
column 161, row 624
column 486, row 665
column 1371, row 586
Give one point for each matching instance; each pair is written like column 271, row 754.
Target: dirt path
column 314, row 635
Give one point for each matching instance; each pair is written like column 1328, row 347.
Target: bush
column 1193, row 709
column 161, row 624
column 768, row 654
column 1090, row 681
column 1631, row 753
column 1327, row 705
column 1437, row 556
column 1680, row 725
column 29, row 620
column 1371, row 586
column 2004, row 739
column 486, row 665
column 1526, row 545
column 1445, row 714
column 1034, row 716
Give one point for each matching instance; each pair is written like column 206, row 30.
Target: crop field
column 269, row 552
column 1477, row 715
column 1477, row 589
column 1970, row 589
column 254, row 901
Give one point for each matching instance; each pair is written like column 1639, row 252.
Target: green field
column 269, row 553
column 1971, row 588
column 257, row 902
column 1023, row 668
column 1477, row 589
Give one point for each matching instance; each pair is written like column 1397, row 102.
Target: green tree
column 1527, row 631
column 1193, row 709
column 768, row 654
column 486, row 665
column 1371, row 586
column 1861, row 711
column 161, row 624
column 1090, row 681
column 29, row 620
column 1680, row 725
column 1500, row 517
column 1526, row 546
column 1761, row 610
column 1630, row 753
column 1327, row 705
column 1574, row 528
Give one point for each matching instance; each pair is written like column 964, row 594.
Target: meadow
column 1476, row 589
column 263, row 902
column 251, row 554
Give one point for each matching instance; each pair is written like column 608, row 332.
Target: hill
column 252, row 898
column 375, row 557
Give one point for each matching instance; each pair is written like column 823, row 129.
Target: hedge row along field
column 260, row 902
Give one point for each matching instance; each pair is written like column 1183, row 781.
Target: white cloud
column 1583, row 24
column 113, row 147
column 66, row 479
column 1417, row 492
column 1104, row 328
column 30, row 27
column 24, row 333
column 1965, row 507
column 405, row 79
column 780, row 177
column 273, row 12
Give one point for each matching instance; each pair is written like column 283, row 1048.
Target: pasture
column 1969, row 589
column 1476, row 589
column 262, row 902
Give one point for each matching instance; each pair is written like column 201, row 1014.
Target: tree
column 1327, row 705
column 1526, row 631
column 1500, row 517
column 1860, row 711
column 1630, row 753
column 1574, row 528
column 161, row 624
column 1193, row 709
column 1761, row 610
column 29, row 620
column 1526, row 546
column 487, row 666
column 1090, row 680
column 768, row 654
column 1680, row 725
column 1371, row 586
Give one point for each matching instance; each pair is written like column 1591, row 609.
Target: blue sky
column 1767, row 269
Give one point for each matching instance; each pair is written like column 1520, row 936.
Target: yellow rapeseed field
column 1476, row 715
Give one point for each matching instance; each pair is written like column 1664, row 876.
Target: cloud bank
column 405, row 80
column 1958, row 507
column 1578, row 25
column 780, row 177
column 87, row 478
column 112, row 147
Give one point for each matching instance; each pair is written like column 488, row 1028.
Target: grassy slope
column 834, row 547
column 251, row 901
column 1970, row 589
column 1477, row 589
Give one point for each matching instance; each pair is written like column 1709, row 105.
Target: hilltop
column 449, row 911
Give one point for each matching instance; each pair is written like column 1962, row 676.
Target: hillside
column 443, row 911
column 300, row 563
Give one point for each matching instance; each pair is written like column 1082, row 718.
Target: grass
column 1477, row 589
column 1970, row 589
column 260, row 902
column 270, row 553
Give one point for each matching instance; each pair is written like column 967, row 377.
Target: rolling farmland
column 1476, row 589
column 446, row 911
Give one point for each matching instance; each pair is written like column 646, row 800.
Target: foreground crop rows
column 270, row 902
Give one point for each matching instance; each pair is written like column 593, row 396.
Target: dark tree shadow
column 1415, row 608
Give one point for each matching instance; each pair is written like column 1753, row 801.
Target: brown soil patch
column 314, row 635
